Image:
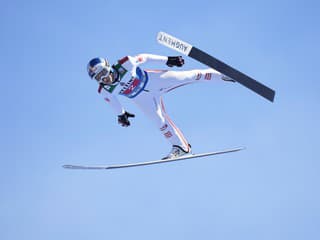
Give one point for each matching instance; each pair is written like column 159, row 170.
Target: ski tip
column 84, row 167
column 68, row 166
column 73, row 167
column 241, row 148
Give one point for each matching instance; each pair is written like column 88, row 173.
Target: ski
column 201, row 56
column 139, row 164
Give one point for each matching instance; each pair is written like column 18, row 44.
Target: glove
column 175, row 61
column 123, row 119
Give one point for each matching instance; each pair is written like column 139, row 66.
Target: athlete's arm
column 169, row 61
column 112, row 100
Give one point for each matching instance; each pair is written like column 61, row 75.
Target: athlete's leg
column 153, row 107
column 165, row 81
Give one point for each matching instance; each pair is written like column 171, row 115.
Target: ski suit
column 146, row 87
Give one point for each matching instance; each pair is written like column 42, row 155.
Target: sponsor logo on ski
column 174, row 43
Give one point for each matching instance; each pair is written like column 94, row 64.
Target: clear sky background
column 52, row 115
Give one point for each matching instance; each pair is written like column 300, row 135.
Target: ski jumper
column 146, row 87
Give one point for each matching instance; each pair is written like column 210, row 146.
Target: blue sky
column 52, row 115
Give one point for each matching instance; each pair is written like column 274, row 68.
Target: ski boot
column 178, row 151
column 227, row 79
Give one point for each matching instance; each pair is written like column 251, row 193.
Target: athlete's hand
column 123, row 119
column 175, row 61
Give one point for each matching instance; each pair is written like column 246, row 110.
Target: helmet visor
column 102, row 74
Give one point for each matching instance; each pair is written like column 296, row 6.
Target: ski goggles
column 103, row 73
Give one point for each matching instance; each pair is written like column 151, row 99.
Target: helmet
column 98, row 68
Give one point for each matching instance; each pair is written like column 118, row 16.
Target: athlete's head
column 99, row 69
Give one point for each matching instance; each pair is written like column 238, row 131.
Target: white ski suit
column 146, row 87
